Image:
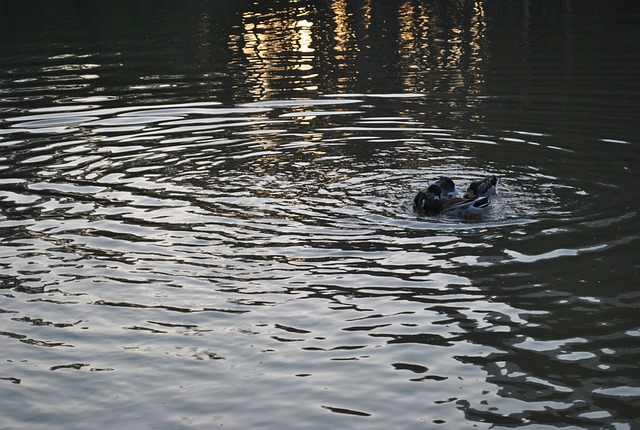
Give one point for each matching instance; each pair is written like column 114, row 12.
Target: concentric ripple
column 276, row 239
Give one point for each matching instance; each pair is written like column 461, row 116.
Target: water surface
column 205, row 215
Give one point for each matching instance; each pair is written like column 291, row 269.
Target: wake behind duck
column 441, row 197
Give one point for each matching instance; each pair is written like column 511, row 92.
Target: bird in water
column 441, row 197
column 483, row 188
column 448, row 189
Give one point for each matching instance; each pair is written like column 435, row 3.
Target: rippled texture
column 217, row 229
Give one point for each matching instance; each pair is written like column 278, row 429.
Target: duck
column 448, row 188
column 441, row 197
column 483, row 188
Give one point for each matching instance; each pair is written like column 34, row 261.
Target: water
column 205, row 215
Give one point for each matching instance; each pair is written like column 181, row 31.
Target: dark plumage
column 483, row 188
column 429, row 202
column 447, row 187
column 441, row 197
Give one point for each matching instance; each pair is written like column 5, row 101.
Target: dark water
column 205, row 215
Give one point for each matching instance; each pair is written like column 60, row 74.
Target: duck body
column 448, row 188
column 441, row 198
column 483, row 188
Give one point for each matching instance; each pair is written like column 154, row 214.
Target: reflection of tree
column 346, row 47
column 273, row 52
column 284, row 49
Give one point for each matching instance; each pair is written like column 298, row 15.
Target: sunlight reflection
column 342, row 32
column 304, row 36
column 432, row 48
column 275, row 45
column 431, row 40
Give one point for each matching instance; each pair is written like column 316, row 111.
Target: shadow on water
column 226, row 229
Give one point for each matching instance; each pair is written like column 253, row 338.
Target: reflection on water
column 218, row 230
column 282, row 51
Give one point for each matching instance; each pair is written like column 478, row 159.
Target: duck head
column 428, row 202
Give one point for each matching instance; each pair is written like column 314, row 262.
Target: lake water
column 205, row 215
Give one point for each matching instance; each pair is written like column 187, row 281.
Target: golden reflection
column 445, row 38
column 477, row 30
column 297, row 49
column 366, row 15
column 277, row 50
column 342, row 32
column 304, row 36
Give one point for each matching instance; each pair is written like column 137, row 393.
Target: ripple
column 278, row 237
column 301, row 102
column 623, row 391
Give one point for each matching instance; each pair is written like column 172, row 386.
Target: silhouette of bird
column 441, row 197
